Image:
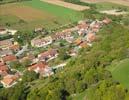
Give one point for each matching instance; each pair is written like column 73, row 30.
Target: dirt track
column 67, row 5
column 121, row 2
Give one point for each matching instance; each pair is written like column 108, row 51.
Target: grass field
column 109, row 6
column 80, row 96
column 36, row 13
column 120, row 72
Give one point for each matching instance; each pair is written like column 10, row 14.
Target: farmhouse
column 37, row 42
column 41, row 68
column 48, row 55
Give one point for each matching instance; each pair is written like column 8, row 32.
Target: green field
column 59, row 16
column 62, row 12
column 109, row 6
column 120, row 72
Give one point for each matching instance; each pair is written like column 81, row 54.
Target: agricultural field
column 67, row 5
column 120, row 72
column 36, row 13
column 109, row 4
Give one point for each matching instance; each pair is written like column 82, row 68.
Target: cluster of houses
column 81, row 36
column 8, row 48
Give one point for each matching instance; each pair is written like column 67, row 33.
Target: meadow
column 36, row 13
column 120, row 72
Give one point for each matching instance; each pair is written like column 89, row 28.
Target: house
column 4, row 44
column 9, row 80
column 90, row 37
column 78, row 41
column 41, row 68
column 37, row 42
column 70, row 39
column 8, row 58
column 48, row 55
column 3, row 31
column 62, row 35
column 95, row 26
column 83, row 28
column 29, row 57
column 15, row 47
column 5, row 52
column 4, row 70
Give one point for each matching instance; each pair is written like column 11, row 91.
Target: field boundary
column 120, row 2
column 67, row 5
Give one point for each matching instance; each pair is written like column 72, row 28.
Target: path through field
column 121, row 2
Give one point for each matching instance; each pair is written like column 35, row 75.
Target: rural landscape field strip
column 121, row 2
column 36, row 13
column 120, row 72
column 24, row 12
column 67, row 5
column 62, row 12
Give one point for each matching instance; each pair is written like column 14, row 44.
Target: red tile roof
column 51, row 52
column 1, row 63
column 9, row 79
column 91, row 37
column 78, row 41
column 40, row 65
column 9, row 58
column 15, row 47
column 6, row 43
column 4, row 68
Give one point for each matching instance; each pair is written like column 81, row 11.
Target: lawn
column 120, row 72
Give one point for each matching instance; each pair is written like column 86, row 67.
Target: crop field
column 24, row 12
column 36, row 13
column 67, row 5
column 120, row 72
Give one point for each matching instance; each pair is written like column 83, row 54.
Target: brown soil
column 23, row 12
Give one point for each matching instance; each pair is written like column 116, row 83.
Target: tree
column 29, row 76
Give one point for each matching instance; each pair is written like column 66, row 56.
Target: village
column 83, row 35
